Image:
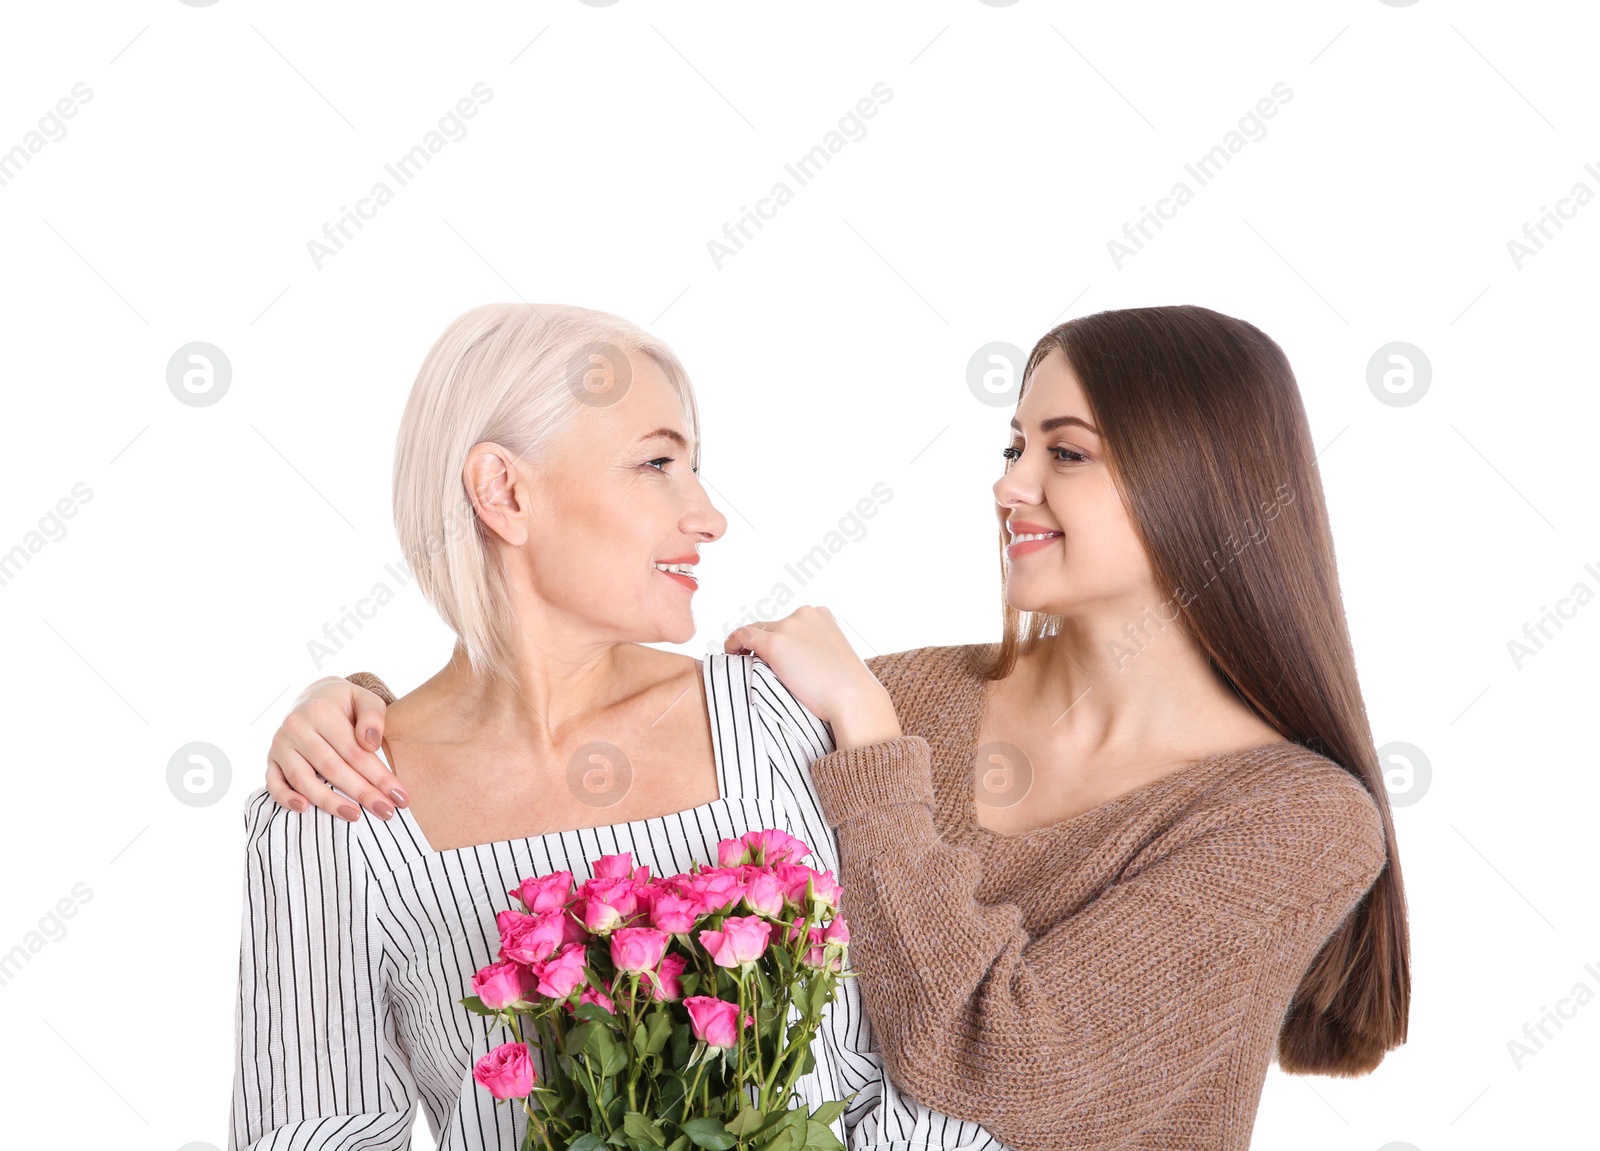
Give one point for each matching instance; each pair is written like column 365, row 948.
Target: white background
column 829, row 354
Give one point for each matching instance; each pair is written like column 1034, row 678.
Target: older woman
column 547, row 500
column 1101, row 872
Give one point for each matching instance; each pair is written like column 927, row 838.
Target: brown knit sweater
column 1114, row 980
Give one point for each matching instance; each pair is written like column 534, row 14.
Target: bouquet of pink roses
column 668, row 1012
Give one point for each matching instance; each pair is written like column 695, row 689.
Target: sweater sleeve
column 1093, row 1024
column 318, row 1065
column 372, row 683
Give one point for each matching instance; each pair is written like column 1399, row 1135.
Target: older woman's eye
column 659, row 460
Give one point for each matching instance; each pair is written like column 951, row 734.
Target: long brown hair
column 1204, row 429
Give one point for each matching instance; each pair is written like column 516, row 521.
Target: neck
column 1104, row 686
column 552, row 688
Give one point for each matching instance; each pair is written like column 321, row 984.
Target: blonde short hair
column 515, row 374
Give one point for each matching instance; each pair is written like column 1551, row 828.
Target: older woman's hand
column 317, row 745
column 814, row 660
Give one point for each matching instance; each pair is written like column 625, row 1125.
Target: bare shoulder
column 668, row 672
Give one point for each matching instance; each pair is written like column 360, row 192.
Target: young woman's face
column 1056, row 486
column 612, row 505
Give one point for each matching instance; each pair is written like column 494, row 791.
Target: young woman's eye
column 1068, row 457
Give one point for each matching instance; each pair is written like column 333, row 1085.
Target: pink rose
column 544, row 892
column 507, row 1071
column 815, row 943
column 838, row 931
column 715, row 889
column 595, row 995
column 713, row 1020
column 796, row 880
column 529, row 938
column 607, row 903
column 558, row 976
column 668, row 984
column 673, row 914
column 772, row 845
column 825, row 889
column 764, row 894
column 621, row 866
column 572, row 931
column 502, row 984
column 732, row 852
column 743, row 939
column 614, row 866
column 637, row 948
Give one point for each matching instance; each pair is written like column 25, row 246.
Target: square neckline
column 728, row 785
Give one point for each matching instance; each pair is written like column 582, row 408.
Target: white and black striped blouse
column 359, row 939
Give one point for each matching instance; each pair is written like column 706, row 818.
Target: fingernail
column 399, row 795
column 298, row 804
column 350, row 813
column 372, row 736
column 382, row 809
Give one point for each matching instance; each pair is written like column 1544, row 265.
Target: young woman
column 547, row 499
column 1099, row 873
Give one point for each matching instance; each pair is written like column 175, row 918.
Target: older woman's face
column 614, row 505
column 1057, row 486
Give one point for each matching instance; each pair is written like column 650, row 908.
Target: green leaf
column 786, row 1139
column 763, row 982
column 475, row 1005
column 827, row 1113
column 642, row 1129
column 783, row 1131
column 682, row 1044
column 599, row 1044
column 594, row 1013
column 660, row 1028
column 617, row 1138
column 709, row 1133
column 749, row 1120
column 588, row 1141
column 774, row 1119
column 578, row 1037
column 820, row 1137
column 614, row 1060
column 681, row 1143
column 641, row 1041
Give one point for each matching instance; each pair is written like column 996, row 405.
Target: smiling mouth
column 679, row 573
column 1024, row 543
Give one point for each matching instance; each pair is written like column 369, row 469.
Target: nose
column 1015, row 487
column 702, row 517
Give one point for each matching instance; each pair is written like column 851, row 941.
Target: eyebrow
column 665, row 434
column 1055, row 422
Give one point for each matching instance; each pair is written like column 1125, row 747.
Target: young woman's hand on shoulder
column 317, row 745
column 817, row 664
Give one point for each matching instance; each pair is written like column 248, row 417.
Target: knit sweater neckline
column 954, row 764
